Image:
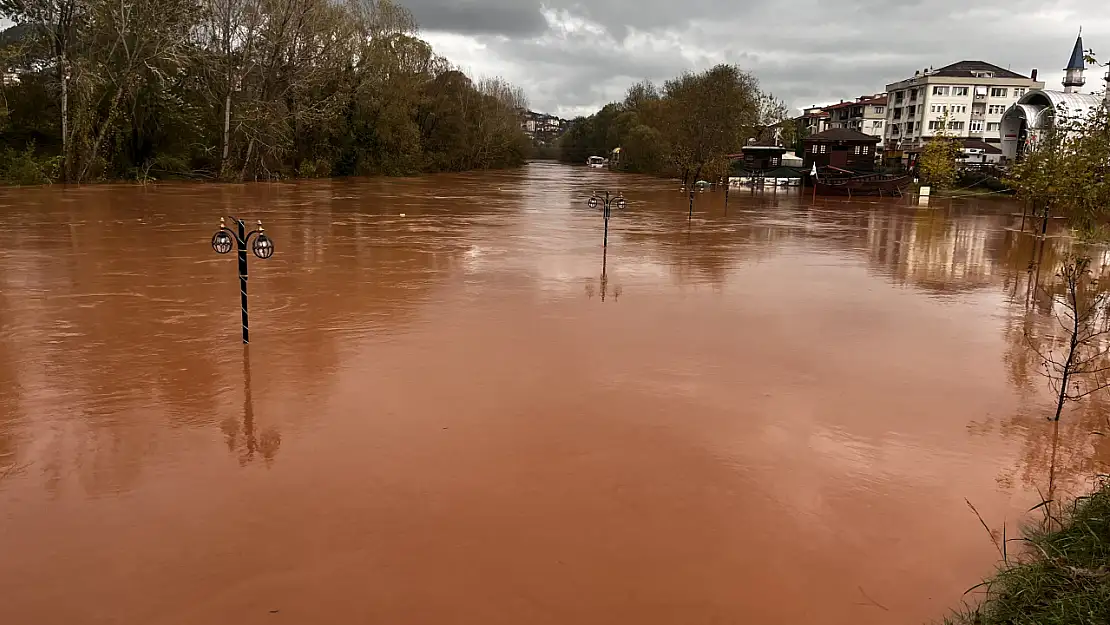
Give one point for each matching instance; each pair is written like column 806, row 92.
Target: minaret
column 1073, row 73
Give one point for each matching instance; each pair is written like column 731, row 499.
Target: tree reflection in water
column 1057, row 459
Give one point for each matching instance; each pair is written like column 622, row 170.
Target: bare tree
column 1077, row 361
column 227, row 29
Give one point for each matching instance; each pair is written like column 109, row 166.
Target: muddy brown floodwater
column 773, row 415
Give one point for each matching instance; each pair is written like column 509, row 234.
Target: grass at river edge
column 1063, row 576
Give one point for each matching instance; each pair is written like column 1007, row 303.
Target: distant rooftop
column 973, row 69
column 842, row 134
column 869, row 100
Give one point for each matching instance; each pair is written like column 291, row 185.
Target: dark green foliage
column 26, row 167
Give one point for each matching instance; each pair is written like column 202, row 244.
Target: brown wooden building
column 842, row 148
column 761, row 157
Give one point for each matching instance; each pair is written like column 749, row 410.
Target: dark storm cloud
column 573, row 56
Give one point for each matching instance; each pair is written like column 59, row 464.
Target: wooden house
column 761, row 157
column 842, row 148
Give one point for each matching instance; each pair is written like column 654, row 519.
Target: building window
column 976, row 125
column 774, row 162
column 1019, row 92
column 996, row 109
column 960, row 91
column 959, row 108
column 934, row 125
column 955, row 125
column 866, row 149
column 909, row 126
column 879, row 110
column 814, row 148
column 822, row 148
column 993, row 126
column 940, row 90
column 998, row 92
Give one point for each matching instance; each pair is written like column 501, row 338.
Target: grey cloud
column 806, row 52
column 489, row 17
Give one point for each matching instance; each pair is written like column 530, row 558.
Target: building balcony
column 979, row 97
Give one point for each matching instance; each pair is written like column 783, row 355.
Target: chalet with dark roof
column 842, row 148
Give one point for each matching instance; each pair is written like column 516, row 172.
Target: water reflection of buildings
column 928, row 249
column 933, row 252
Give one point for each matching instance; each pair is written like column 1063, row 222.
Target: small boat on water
column 866, row 184
column 597, row 162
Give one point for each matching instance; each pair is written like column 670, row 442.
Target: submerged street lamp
column 262, row 247
column 616, row 292
column 607, row 204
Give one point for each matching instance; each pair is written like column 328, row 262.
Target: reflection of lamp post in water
column 270, row 440
column 604, row 281
column 262, row 247
column 607, row 204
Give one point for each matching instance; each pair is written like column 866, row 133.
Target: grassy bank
column 1063, row 576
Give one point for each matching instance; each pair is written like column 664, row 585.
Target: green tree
column 1064, row 172
column 708, row 116
column 686, row 129
column 938, row 161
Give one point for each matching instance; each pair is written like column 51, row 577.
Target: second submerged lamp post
column 607, row 204
column 262, row 247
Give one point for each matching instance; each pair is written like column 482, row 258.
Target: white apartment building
column 974, row 94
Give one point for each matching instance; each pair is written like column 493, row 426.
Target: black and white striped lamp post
column 222, row 242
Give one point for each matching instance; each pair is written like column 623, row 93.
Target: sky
column 572, row 57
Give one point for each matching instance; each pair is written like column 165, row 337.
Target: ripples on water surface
column 773, row 415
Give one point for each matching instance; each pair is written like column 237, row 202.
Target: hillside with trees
column 686, row 129
column 239, row 90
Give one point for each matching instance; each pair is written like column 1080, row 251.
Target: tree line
column 687, row 129
column 238, row 90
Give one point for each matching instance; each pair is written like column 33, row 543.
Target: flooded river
column 456, row 409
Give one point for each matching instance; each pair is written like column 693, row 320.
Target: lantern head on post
column 222, row 242
column 262, row 246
